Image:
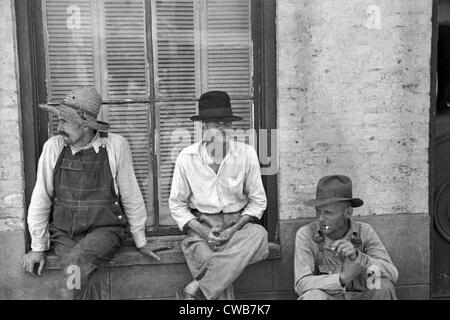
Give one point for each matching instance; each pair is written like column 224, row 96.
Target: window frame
column 33, row 91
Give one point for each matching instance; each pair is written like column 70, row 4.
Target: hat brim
column 230, row 118
column 355, row 202
column 68, row 113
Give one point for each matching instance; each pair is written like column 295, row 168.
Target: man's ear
column 349, row 211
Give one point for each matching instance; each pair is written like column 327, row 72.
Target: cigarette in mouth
column 326, row 228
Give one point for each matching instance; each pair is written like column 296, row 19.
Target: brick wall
column 354, row 100
column 11, row 163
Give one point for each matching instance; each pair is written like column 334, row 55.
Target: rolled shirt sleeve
column 304, row 264
column 130, row 194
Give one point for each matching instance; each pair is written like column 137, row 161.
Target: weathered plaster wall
column 11, row 163
column 355, row 101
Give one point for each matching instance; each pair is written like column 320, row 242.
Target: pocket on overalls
column 71, row 170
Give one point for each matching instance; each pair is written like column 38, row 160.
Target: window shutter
column 126, row 71
column 229, row 47
column 175, row 55
column 126, row 50
column 176, row 74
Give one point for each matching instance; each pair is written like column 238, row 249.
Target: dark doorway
column 440, row 156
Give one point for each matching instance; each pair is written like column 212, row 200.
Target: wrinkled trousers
column 217, row 270
column 385, row 292
column 80, row 258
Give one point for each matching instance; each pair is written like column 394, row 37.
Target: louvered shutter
column 175, row 67
column 229, row 47
column 199, row 46
column 69, row 40
column 176, row 75
column 125, row 75
column 125, row 44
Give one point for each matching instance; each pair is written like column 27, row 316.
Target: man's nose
column 321, row 217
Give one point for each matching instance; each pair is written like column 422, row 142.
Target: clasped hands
column 217, row 238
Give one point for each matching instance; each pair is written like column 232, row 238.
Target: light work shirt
column 125, row 184
column 236, row 186
column 316, row 267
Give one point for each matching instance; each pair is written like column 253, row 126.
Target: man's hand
column 154, row 246
column 32, row 258
column 214, row 239
column 350, row 271
column 348, row 252
column 227, row 234
column 345, row 249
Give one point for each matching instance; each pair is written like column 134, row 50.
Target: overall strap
column 58, row 164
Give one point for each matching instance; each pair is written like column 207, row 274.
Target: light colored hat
column 81, row 103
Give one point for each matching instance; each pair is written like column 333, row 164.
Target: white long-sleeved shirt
column 237, row 185
column 125, row 184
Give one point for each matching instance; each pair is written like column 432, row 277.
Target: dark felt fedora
column 333, row 189
column 215, row 105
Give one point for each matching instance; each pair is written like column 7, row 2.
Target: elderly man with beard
column 216, row 195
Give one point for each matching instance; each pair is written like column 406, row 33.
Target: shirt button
column 116, row 203
column 120, row 217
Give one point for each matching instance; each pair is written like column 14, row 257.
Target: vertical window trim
column 265, row 96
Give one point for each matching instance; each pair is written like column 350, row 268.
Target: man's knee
column 315, row 294
column 256, row 231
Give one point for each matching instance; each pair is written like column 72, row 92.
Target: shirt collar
column 95, row 143
column 204, row 155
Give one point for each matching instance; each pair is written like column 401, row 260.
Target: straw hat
column 81, row 103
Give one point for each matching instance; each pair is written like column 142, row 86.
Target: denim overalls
column 87, row 224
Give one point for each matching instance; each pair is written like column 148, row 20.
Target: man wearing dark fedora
column 337, row 257
column 216, row 195
column 86, row 195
